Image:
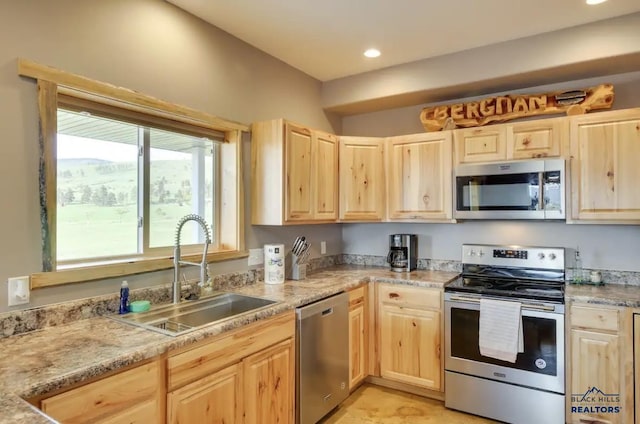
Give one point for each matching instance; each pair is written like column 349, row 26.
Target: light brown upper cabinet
column 538, row 139
column 419, row 182
column 362, row 179
column 294, row 174
column 605, row 150
column 523, row 140
column 483, row 144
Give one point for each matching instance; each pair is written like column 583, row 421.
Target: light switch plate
column 323, row 247
column 256, row 257
column 18, row 290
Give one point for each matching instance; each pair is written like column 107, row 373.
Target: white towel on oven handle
column 500, row 329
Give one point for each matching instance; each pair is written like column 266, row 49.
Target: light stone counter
column 609, row 294
column 38, row 362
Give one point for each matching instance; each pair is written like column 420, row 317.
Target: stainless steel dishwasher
column 322, row 357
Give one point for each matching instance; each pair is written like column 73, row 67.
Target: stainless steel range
column 531, row 389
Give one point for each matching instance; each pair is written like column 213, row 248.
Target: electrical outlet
column 256, row 257
column 323, row 247
column 18, row 290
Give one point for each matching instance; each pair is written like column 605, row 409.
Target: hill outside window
column 118, row 169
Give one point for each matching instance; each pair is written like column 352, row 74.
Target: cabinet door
column 410, row 346
column 357, row 336
column 605, row 171
column 537, row 139
column 595, row 363
column 419, row 184
column 269, row 385
column 362, row 179
column 213, row 399
column 299, row 172
column 326, row 176
column 481, row 144
column 356, row 346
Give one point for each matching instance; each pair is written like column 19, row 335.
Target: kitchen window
column 122, row 187
column 118, row 169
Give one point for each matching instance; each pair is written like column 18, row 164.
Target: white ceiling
column 326, row 38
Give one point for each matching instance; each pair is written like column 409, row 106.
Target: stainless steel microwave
column 527, row 189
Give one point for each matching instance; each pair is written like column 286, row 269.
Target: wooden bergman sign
column 505, row 108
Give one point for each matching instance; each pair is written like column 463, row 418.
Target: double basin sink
column 177, row 319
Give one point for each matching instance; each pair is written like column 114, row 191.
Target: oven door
column 511, row 190
column 540, row 366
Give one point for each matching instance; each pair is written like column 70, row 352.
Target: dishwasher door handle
column 325, row 307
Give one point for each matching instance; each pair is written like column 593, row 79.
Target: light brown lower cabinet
column 244, row 376
column 599, row 365
column 132, row 396
column 410, row 335
column 636, row 364
column 269, row 385
column 358, row 341
column 213, row 399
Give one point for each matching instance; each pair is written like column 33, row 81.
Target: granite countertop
column 610, row 294
column 41, row 361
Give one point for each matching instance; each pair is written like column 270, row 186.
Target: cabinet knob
column 393, row 295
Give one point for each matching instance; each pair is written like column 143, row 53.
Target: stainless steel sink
column 188, row 316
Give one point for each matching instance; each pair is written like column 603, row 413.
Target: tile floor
column 371, row 404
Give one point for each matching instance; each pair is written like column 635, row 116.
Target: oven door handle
column 529, row 306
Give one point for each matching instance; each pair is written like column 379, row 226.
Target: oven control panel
column 510, row 253
column 514, row 256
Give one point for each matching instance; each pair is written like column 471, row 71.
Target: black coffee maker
column 403, row 252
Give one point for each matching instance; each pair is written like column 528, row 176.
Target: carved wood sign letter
column 505, row 108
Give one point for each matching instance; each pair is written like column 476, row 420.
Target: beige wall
column 406, row 120
column 152, row 47
column 599, row 48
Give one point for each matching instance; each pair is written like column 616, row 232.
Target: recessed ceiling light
column 592, row 2
column 372, row 53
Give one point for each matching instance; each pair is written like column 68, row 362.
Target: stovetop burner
column 512, row 271
column 543, row 290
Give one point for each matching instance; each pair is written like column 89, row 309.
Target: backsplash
column 629, row 278
column 17, row 322
column 429, row 264
column 22, row 321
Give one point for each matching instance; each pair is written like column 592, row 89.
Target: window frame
column 54, row 84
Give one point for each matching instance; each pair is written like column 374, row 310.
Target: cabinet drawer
column 596, row 318
column 417, row 297
column 119, row 394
